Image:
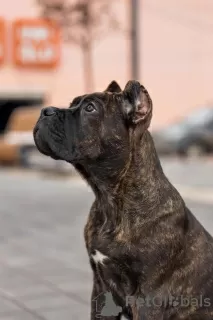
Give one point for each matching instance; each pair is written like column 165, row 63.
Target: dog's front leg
column 103, row 306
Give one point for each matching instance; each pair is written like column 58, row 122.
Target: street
column 44, row 269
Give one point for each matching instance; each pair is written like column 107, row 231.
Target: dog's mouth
column 41, row 143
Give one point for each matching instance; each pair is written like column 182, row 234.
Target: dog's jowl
column 150, row 257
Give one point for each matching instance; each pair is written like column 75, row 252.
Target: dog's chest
column 113, row 272
column 110, row 261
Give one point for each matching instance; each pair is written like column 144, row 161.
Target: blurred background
column 52, row 51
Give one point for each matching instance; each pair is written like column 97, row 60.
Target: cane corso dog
column 151, row 258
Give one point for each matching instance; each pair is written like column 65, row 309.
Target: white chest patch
column 99, row 257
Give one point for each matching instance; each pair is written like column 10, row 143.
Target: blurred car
column 191, row 136
column 16, row 138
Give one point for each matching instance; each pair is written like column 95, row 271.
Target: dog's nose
column 47, row 112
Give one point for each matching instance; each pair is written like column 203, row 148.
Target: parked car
column 191, row 136
column 17, row 139
column 19, row 110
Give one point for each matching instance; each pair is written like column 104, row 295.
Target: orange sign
column 36, row 43
column 2, row 40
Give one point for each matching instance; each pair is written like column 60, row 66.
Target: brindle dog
column 143, row 242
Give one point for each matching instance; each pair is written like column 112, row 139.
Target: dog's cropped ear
column 137, row 103
column 113, row 87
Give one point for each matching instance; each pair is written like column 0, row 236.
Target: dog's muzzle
column 40, row 132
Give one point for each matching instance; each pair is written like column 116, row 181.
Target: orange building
column 176, row 57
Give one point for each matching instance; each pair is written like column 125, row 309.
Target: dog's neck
column 141, row 173
column 144, row 174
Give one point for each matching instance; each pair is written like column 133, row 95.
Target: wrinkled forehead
column 94, row 97
column 103, row 99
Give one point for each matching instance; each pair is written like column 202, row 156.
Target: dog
column 148, row 253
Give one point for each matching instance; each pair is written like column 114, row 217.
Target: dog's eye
column 90, row 108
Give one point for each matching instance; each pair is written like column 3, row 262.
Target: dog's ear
column 113, row 87
column 137, row 103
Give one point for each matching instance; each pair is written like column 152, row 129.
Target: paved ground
column 44, row 271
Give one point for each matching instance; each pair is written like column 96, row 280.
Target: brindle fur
column 154, row 244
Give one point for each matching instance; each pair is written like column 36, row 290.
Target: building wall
column 176, row 57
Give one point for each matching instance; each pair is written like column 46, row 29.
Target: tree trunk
column 88, row 67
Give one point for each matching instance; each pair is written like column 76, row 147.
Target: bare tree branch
column 83, row 20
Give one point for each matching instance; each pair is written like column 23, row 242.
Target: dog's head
column 96, row 127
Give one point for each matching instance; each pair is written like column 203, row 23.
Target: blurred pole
column 135, row 65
